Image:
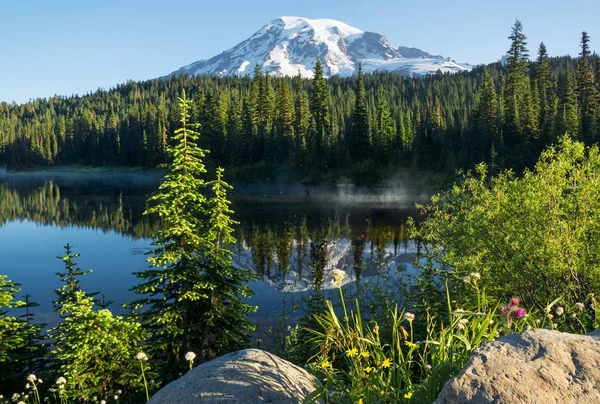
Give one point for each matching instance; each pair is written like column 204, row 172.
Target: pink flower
column 502, row 310
column 514, row 302
column 521, row 313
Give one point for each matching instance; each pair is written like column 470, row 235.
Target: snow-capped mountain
column 291, row 45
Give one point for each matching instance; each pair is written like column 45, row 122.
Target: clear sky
column 65, row 47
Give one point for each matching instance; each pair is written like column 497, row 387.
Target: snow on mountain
column 290, row 45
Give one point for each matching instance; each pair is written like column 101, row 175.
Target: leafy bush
column 536, row 237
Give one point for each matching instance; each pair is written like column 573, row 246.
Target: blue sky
column 65, row 47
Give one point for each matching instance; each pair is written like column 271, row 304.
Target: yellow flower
column 381, row 392
column 369, row 369
column 326, row 364
column 364, row 354
column 352, row 352
column 360, row 401
column 411, row 344
column 408, row 395
column 386, row 363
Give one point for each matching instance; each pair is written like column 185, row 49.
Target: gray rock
column 537, row 366
column 247, row 376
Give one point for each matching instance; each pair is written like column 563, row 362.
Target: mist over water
column 101, row 215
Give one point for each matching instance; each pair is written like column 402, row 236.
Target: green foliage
column 92, row 349
column 20, row 351
column 535, row 237
column 317, row 129
column 191, row 296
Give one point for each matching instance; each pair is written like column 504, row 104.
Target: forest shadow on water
column 292, row 236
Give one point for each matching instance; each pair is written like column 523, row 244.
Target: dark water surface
column 100, row 215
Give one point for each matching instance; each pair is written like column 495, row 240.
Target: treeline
column 503, row 115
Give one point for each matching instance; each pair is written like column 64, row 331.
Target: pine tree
column 359, row 144
column 546, row 87
column 223, row 324
column 169, row 308
column 192, row 291
column 320, row 114
column 386, row 127
column 587, row 93
column 90, row 348
column 486, row 116
column 516, row 87
column 568, row 117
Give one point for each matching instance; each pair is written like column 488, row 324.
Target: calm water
column 101, row 216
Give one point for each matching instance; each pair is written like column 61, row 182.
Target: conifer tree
column 359, row 144
column 568, row 117
column 91, row 349
column 546, row 87
column 223, row 324
column 587, row 93
column 320, row 113
column 487, row 116
column 516, row 87
column 191, row 292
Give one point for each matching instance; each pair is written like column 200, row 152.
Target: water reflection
column 292, row 236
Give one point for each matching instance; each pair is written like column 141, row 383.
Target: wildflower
column 411, row 344
column 476, row 276
column 27, row 386
column 21, row 402
column 352, row 352
column 325, row 364
column 409, row 317
column 428, row 366
column 369, row 369
column 386, row 363
column 364, row 354
column 502, row 310
column 116, row 397
column 514, row 302
column 31, row 378
column 141, row 356
column 459, row 310
column 550, row 316
column 338, row 276
column 190, row 356
column 521, row 313
column 559, row 311
column 466, row 279
column 103, row 402
column 61, row 380
column 579, row 306
column 119, row 391
column 408, row 395
column 40, row 381
column 462, row 323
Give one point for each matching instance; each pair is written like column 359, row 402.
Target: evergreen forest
column 262, row 127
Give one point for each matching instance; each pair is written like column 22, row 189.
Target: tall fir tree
column 191, row 279
column 359, row 143
column 587, row 93
column 516, row 87
column 320, row 114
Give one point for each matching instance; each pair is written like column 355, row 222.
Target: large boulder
column 537, row 366
column 247, row 376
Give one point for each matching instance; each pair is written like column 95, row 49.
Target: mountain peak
column 290, row 45
column 320, row 24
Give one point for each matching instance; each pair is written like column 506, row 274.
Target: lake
column 282, row 227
